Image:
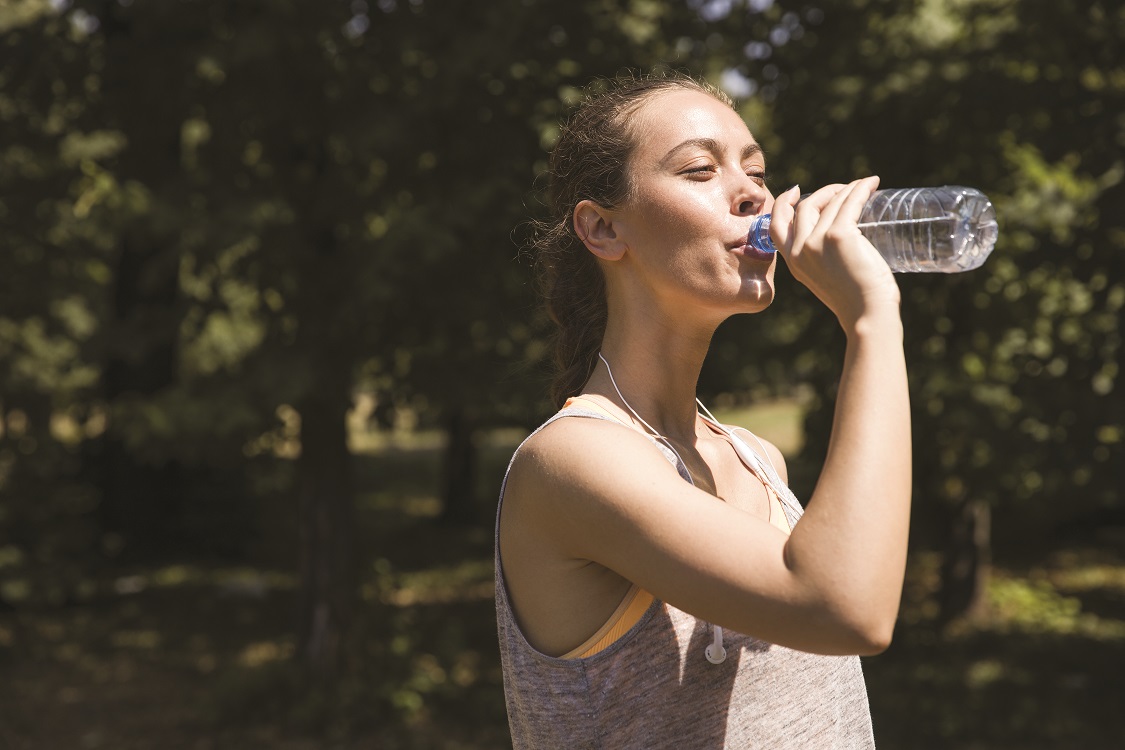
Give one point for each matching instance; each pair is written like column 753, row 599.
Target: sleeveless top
column 653, row 687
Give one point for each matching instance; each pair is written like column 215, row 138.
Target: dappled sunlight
column 243, row 581
column 1011, row 674
column 470, row 580
column 1044, row 600
column 264, row 652
column 365, row 436
column 1036, row 607
column 145, row 640
column 1089, row 577
column 985, row 672
column 412, row 506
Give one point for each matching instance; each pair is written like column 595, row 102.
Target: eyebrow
column 710, row 144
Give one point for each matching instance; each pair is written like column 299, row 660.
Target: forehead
column 672, row 117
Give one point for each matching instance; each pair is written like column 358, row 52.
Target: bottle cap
column 759, row 237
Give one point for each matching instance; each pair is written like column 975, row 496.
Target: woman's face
column 698, row 179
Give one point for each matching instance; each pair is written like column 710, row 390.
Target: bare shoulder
column 572, row 497
column 581, row 460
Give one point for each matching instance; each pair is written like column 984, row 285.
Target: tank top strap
column 762, row 467
column 769, row 476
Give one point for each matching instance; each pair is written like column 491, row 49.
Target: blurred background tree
column 229, row 226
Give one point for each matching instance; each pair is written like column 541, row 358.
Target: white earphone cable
column 715, row 652
column 655, row 434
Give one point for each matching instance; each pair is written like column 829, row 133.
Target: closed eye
column 703, row 171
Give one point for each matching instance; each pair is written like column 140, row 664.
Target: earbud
column 715, row 653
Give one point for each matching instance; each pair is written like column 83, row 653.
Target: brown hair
column 589, row 162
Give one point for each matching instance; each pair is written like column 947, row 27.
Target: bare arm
column 859, row 514
column 853, row 535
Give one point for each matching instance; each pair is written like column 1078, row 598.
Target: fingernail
column 796, row 188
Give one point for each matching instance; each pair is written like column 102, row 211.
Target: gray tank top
column 653, row 687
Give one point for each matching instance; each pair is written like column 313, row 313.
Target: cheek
column 679, row 215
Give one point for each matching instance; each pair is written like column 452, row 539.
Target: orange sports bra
column 627, row 614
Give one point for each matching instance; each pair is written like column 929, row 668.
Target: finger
column 832, row 208
column 852, row 207
column 808, row 212
column 819, row 199
column 781, row 226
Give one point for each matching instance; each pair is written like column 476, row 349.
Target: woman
column 654, row 588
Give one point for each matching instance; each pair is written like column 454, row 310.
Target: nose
column 750, row 198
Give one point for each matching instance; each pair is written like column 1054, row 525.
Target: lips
column 751, row 252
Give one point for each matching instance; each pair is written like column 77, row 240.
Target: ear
column 594, row 226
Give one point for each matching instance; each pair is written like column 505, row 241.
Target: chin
column 757, row 294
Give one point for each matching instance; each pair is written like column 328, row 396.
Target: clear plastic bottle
column 938, row 229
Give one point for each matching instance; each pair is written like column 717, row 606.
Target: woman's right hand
column 826, row 251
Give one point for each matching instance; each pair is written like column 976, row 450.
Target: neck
column 656, row 368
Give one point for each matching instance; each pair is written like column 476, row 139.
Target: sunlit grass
column 468, row 580
column 415, row 506
column 1036, row 606
column 985, row 672
column 145, row 640
column 1090, row 578
column 370, row 441
column 260, row 653
column 780, row 422
column 239, row 580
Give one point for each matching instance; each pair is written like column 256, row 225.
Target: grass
column 777, row 421
column 196, row 656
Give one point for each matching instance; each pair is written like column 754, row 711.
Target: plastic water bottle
column 938, row 229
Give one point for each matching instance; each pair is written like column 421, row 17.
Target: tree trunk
column 326, row 520
column 459, row 471
column 967, row 564
column 141, row 501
